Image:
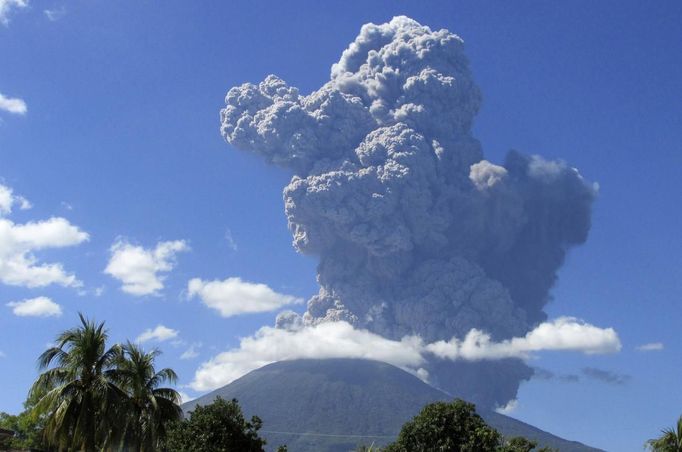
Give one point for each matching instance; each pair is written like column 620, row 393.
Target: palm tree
column 79, row 394
column 669, row 441
column 150, row 408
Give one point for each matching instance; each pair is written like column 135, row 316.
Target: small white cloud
column 2, row 354
column 486, row 175
column 24, row 204
column 422, row 374
column 91, row 292
column 35, row 307
column 192, row 352
column 55, row 14
column 8, row 200
column 12, row 105
column 326, row 340
column 564, row 333
column 509, row 408
column 139, row 269
column 233, row 296
column 178, row 343
column 6, row 6
column 18, row 242
column 184, row 397
column 651, row 347
column 160, row 333
column 231, row 244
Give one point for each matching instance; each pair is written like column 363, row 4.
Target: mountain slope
column 336, row 404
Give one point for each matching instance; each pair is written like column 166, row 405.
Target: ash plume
column 416, row 233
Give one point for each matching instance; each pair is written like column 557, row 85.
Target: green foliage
column 521, row 444
column 446, row 427
column 9, row 422
column 218, row 427
column 454, row 427
column 78, row 395
column 28, row 430
column 148, row 408
column 28, row 426
column 90, row 397
column 518, row 444
column 669, row 441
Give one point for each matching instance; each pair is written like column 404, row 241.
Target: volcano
column 334, row 405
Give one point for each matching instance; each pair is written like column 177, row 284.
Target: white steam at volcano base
column 417, row 234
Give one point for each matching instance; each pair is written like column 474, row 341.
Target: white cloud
column 341, row 340
column 564, row 333
column 91, row 292
column 2, row 354
column 8, row 200
column 233, row 296
column 231, row 243
column 55, row 14
column 184, row 397
column 24, row 204
column 36, row 307
column 12, row 104
column 509, row 408
column 138, row 268
column 18, row 242
column 651, row 347
column 191, row 352
column 160, row 333
column 326, row 340
column 6, row 6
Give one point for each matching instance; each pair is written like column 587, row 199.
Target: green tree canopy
column 454, row 427
column 78, row 393
column 149, row 408
column 217, row 427
column 29, row 427
column 446, row 427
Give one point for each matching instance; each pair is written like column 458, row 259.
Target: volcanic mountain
column 334, row 405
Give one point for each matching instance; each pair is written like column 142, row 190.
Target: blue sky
column 121, row 139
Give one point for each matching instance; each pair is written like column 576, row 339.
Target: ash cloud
column 592, row 373
column 417, row 234
column 547, row 375
column 606, row 376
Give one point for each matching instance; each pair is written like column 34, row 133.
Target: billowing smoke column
column 416, row 233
